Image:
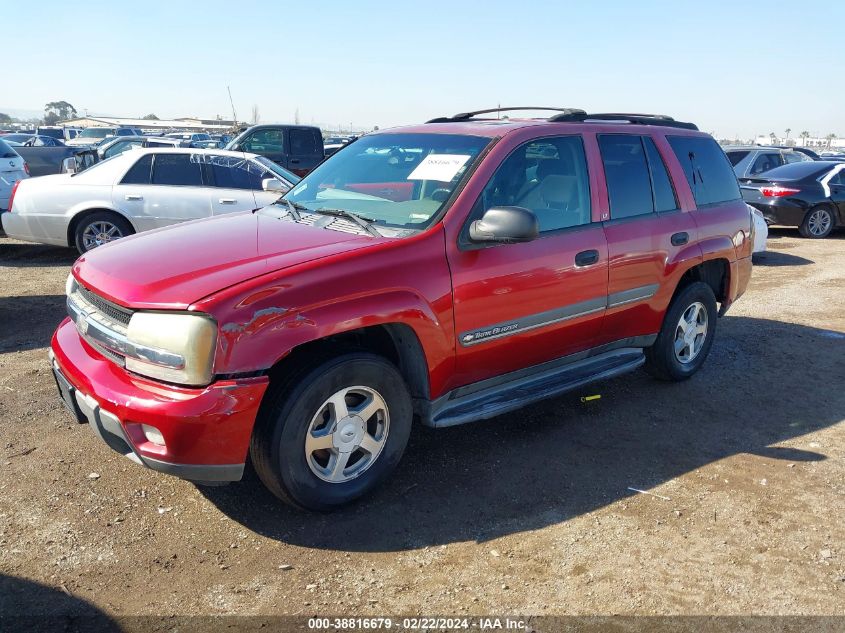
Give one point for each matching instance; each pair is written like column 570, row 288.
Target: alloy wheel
column 99, row 233
column 819, row 222
column 690, row 333
column 347, row 434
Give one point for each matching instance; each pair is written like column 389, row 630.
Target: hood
column 179, row 265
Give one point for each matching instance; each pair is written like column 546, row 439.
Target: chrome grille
column 111, row 310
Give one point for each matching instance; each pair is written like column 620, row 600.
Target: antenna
column 234, row 116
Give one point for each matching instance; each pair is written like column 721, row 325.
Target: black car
column 297, row 148
column 33, row 140
column 809, row 195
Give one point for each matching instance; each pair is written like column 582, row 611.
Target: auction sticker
column 440, row 167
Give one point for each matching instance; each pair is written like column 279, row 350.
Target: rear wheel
column 818, row 223
column 686, row 335
column 334, row 433
column 100, row 228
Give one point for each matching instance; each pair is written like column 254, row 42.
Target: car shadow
column 25, row 255
column 26, row 605
column 776, row 232
column 559, row 459
column 28, row 322
column 777, row 258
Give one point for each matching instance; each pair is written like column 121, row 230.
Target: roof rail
column 639, row 119
column 465, row 116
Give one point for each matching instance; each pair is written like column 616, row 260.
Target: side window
column 736, row 156
column 265, row 141
column 766, row 161
column 661, row 185
column 548, row 177
column 838, row 179
column 139, row 173
column 794, row 157
column 303, row 142
column 176, row 169
column 707, row 169
column 229, row 172
column 626, row 171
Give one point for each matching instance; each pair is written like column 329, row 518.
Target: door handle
column 227, row 201
column 587, row 258
column 132, row 196
column 295, row 161
column 679, row 239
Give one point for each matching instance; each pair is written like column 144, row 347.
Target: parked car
column 803, row 150
column 44, row 160
column 140, row 190
column 753, row 160
column 452, row 271
column 192, row 139
column 119, row 144
column 808, row 195
column 13, row 169
column 32, row 140
column 761, row 230
column 96, row 135
column 297, row 148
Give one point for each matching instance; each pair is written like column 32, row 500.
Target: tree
column 151, row 117
column 805, row 135
column 296, row 116
column 830, row 138
column 5, row 118
column 56, row 111
column 773, row 136
column 787, row 130
column 256, row 117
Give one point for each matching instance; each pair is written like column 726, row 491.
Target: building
column 189, row 123
column 813, row 142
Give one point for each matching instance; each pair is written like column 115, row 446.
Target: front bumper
column 206, row 430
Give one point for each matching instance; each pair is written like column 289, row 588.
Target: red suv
column 446, row 272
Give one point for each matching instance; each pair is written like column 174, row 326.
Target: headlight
column 70, row 284
column 174, row 347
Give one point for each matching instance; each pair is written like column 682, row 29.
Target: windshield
column 398, row 180
column 96, row 132
column 284, row 174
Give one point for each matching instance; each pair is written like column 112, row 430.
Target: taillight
column 12, row 196
column 26, row 169
column 778, row 192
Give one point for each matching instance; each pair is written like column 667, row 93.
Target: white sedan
column 761, row 230
column 139, row 190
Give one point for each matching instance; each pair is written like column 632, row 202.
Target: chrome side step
column 459, row 407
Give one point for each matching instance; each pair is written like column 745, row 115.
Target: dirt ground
column 530, row 513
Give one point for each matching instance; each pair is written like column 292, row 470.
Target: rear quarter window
column 735, row 157
column 708, row 170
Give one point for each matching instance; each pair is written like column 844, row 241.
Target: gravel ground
column 529, row 513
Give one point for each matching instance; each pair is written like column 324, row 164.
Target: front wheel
column 818, row 223
column 335, row 433
column 686, row 335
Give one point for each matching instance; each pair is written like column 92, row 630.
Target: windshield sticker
column 440, row 167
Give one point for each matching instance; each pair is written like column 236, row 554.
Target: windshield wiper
column 364, row 223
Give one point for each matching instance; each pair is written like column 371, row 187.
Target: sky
column 736, row 69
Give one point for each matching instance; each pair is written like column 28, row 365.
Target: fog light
column 153, row 434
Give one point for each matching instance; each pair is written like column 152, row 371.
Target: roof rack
column 465, row 116
column 639, row 119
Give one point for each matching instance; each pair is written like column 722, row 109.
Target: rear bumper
column 206, row 430
column 36, row 228
column 782, row 211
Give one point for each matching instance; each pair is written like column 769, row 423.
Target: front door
column 518, row 305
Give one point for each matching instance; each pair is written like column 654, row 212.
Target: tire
column 100, row 222
column 662, row 361
column 292, row 414
column 818, row 223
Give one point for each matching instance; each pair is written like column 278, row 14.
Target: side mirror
column 505, row 224
column 274, row 184
column 69, row 165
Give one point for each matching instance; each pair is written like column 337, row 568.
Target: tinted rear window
column 176, row 169
column 6, row 151
column 627, row 175
column 304, row 142
column 796, row 171
column 139, row 173
column 736, row 156
column 707, row 169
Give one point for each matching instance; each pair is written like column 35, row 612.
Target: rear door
column 236, row 184
column 646, row 233
column 163, row 189
column 306, row 150
column 518, row 305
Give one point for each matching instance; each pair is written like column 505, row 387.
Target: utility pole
column 234, row 116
